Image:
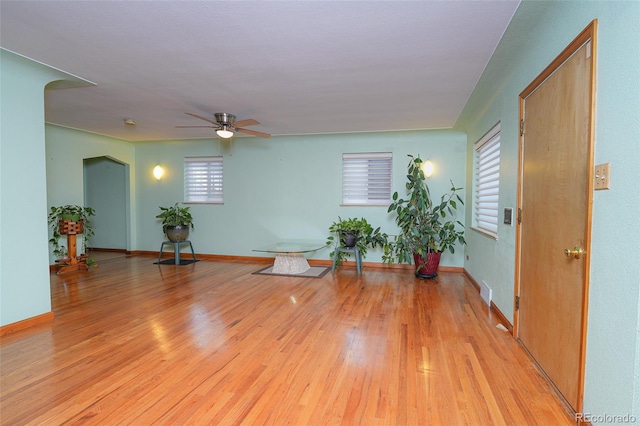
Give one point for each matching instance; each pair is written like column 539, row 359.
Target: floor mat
column 313, row 272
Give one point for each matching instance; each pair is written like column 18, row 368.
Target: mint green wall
column 289, row 187
column 284, row 187
column 24, row 265
column 65, row 150
column 106, row 190
column 539, row 31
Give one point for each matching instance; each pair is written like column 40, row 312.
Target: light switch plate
column 508, row 216
column 602, row 176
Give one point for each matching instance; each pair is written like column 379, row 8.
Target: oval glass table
column 290, row 255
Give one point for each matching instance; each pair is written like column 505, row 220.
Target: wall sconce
column 158, row 172
column 427, row 168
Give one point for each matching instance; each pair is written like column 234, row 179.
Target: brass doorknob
column 576, row 252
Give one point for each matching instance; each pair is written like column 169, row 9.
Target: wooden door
column 555, row 202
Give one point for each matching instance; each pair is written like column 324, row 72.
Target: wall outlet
column 602, row 176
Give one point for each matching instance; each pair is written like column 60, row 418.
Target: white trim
column 360, row 155
column 487, row 136
column 485, row 233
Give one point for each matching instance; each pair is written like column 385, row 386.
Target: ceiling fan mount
column 226, row 125
column 224, row 118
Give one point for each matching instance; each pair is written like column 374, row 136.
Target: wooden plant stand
column 72, row 262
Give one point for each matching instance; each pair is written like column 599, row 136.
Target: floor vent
column 485, row 292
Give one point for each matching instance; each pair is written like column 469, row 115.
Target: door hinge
column 519, row 215
column 522, row 127
column 517, row 303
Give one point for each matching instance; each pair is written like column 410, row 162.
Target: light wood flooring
column 212, row 344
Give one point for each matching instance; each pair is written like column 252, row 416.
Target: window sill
column 364, row 205
column 203, row 202
column 485, row 233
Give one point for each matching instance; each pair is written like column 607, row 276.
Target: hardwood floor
column 210, row 343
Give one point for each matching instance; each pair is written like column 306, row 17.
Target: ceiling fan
column 226, row 125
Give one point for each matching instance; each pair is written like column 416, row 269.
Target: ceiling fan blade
column 254, row 133
column 210, row 127
column 202, row 118
column 248, row 122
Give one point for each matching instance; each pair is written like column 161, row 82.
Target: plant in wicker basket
column 69, row 219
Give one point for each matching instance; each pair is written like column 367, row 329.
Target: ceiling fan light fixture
column 224, row 133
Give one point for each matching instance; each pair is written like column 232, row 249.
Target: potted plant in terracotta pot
column 354, row 232
column 176, row 222
column 426, row 228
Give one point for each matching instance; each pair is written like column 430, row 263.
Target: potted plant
column 64, row 220
column 354, row 232
column 176, row 221
column 426, row 229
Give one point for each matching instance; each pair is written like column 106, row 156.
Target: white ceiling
column 298, row 67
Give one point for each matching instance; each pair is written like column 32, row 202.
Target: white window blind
column 366, row 178
column 487, row 181
column 203, row 180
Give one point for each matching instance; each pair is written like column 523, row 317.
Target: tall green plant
column 425, row 227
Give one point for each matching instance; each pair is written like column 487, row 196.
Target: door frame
column 126, row 193
column 588, row 34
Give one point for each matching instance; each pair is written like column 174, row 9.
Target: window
column 203, row 180
column 487, row 182
column 366, row 178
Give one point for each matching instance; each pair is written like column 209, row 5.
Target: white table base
column 290, row 263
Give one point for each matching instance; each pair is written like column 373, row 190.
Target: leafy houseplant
column 75, row 214
column 426, row 229
column 176, row 221
column 354, row 232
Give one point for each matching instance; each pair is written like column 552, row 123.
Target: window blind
column 487, row 181
column 366, row 178
column 203, row 180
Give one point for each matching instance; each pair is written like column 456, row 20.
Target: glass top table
column 290, row 258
